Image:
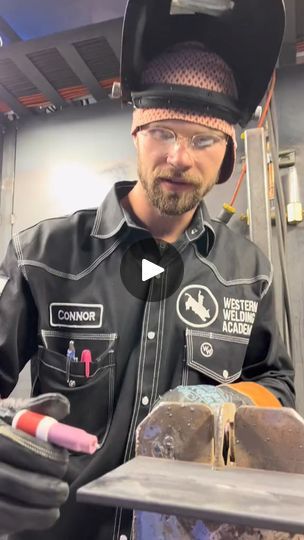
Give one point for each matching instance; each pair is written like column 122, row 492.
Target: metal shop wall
column 290, row 108
column 70, row 159
column 63, row 162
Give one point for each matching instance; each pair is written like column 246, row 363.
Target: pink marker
column 50, row 430
column 86, row 357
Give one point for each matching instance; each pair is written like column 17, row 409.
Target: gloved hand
column 244, row 393
column 31, row 491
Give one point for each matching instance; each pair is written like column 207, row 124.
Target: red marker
column 86, row 357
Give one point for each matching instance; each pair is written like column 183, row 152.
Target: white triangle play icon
column 150, row 270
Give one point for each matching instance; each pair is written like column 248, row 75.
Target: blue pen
column 71, row 353
column 70, row 357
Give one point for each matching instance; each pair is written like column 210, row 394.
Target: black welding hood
column 246, row 34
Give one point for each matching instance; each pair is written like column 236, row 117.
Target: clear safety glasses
column 167, row 138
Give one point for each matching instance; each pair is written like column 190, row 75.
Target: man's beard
column 173, row 203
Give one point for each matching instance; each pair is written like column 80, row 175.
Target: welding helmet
column 246, row 34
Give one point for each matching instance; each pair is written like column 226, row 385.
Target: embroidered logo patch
column 3, row 282
column 197, row 306
column 76, row 315
column 206, row 349
column 239, row 315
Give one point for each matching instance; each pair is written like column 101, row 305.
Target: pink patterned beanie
column 193, row 65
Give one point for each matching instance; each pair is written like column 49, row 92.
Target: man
column 63, row 281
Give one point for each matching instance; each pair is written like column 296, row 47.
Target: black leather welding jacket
column 61, row 280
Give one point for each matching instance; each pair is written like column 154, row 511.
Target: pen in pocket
column 70, row 357
column 71, row 353
column 86, row 357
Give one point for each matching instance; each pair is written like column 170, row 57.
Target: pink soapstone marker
column 50, row 430
column 72, row 438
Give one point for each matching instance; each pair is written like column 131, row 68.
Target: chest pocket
column 91, row 395
column 217, row 356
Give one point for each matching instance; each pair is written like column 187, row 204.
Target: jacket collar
column 111, row 217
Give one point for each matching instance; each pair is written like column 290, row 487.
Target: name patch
column 76, row 315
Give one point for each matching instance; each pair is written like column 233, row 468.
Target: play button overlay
column 151, row 270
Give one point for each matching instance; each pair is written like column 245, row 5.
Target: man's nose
column 179, row 155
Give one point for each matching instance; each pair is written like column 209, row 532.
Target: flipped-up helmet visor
column 247, row 36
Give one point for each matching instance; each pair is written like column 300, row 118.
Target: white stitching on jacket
column 239, row 281
column 158, row 353
column 17, row 245
column 214, row 335
column 139, row 383
column 73, row 277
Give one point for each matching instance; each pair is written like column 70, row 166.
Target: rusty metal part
column 224, row 440
column 271, row 439
column 252, row 498
column 182, row 431
column 222, row 474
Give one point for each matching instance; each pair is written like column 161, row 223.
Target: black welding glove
column 31, row 489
